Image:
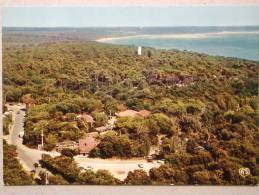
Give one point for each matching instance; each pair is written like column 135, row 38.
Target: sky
column 130, row 16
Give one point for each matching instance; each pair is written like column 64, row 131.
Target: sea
column 238, row 42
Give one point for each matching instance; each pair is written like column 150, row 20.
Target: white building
column 139, row 50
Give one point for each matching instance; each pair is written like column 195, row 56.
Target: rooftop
column 144, row 113
column 87, row 144
column 133, row 113
column 127, row 113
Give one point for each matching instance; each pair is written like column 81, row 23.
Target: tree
column 63, row 165
column 7, row 121
column 189, row 123
column 191, row 147
column 163, row 123
column 50, row 142
column 101, row 177
column 162, row 175
column 13, row 172
column 120, row 146
column 57, row 180
column 113, row 146
column 137, row 177
column 149, row 53
column 13, row 94
column 28, row 100
column 100, row 118
column 43, row 178
column 201, row 177
column 127, row 125
column 69, row 152
column 211, row 101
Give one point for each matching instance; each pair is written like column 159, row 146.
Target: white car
column 21, row 134
column 160, row 161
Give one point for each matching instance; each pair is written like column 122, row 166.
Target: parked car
column 160, row 161
column 149, row 159
column 140, row 166
column 89, row 167
column 21, row 134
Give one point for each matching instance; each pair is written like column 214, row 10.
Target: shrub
column 137, row 177
column 69, row 152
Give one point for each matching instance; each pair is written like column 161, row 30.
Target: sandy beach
column 177, row 36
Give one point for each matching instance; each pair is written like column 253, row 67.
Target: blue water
column 243, row 45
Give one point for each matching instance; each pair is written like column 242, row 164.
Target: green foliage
column 56, row 180
column 101, row 177
column 209, row 101
column 201, row 177
column 7, row 122
column 127, row 125
column 63, row 165
column 189, row 123
column 69, row 152
column 137, row 177
column 246, row 87
column 14, row 174
column 13, row 94
column 164, row 124
column 100, row 118
column 67, row 172
column 120, row 146
column 167, row 175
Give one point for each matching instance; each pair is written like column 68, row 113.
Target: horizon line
column 246, row 25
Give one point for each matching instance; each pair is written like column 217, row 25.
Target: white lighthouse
column 139, row 50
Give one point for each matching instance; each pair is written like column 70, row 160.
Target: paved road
column 26, row 155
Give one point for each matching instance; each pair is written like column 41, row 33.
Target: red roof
column 144, row 113
column 87, row 144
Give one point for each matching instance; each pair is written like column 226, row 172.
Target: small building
column 87, row 144
column 144, row 113
column 133, row 113
column 67, row 145
column 127, row 113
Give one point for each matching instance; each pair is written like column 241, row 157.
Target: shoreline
column 176, row 35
